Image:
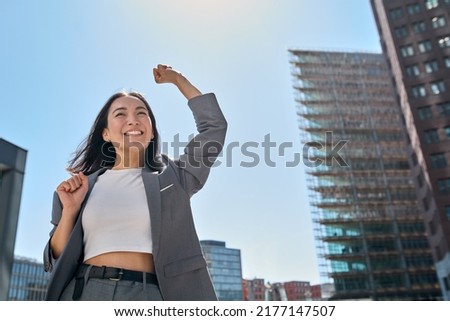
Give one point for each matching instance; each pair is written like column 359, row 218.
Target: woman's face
column 129, row 124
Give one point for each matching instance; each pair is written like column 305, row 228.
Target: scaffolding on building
column 369, row 231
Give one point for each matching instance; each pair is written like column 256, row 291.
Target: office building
column 415, row 37
column 371, row 240
column 28, row 281
column 224, row 265
column 12, row 171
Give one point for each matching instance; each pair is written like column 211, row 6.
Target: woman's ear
column 105, row 135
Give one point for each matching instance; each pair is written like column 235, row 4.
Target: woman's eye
column 120, row 114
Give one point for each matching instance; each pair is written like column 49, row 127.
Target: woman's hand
column 165, row 74
column 72, row 192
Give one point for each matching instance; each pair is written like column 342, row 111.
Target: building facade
column 369, row 231
column 225, row 268
column 12, row 171
column 415, row 37
column 322, row 292
column 28, row 280
column 254, row 290
column 298, row 291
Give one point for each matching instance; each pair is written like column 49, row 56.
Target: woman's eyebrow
column 141, row 107
column 119, row 108
column 125, row 108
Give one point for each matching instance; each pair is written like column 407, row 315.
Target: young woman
column 123, row 226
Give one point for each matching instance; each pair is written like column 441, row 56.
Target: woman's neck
column 129, row 159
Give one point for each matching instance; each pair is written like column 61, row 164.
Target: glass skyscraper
column 224, row 265
column 369, row 231
column 28, row 282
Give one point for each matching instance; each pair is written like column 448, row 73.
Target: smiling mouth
column 134, row 133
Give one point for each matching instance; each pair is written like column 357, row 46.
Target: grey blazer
column 179, row 263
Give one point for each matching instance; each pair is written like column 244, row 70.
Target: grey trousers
column 110, row 290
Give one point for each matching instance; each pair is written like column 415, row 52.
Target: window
column 431, row 4
column 401, row 32
column 431, row 66
column 425, row 46
column 396, row 13
column 431, row 136
column 419, row 27
column 447, row 211
column 425, row 113
column 438, row 160
column 444, row 109
column 438, row 87
column 447, row 62
column 425, row 203
column 438, row 22
column 407, row 51
column 444, row 185
column 414, row 159
column 413, row 8
column 412, row 70
column 444, row 42
column 420, row 180
column 419, row 91
column 447, row 131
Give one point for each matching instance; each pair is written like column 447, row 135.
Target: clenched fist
column 73, row 191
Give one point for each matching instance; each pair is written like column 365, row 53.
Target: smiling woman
column 123, row 226
column 123, row 114
column 130, row 130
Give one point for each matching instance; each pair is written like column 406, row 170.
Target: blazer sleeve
column 49, row 259
column 202, row 151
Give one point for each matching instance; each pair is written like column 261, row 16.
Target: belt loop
column 86, row 274
column 103, row 271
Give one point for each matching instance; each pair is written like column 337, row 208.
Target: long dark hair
column 94, row 153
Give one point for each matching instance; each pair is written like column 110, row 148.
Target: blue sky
column 61, row 60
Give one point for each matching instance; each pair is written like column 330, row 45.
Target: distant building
column 254, row 290
column 28, row 281
column 415, row 37
column 276, row 292
column 322, row 292
column 297, row 290
column 224, row 265
column 371, row 239
column 12, row 171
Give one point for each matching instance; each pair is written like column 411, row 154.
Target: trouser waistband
column 86, row 272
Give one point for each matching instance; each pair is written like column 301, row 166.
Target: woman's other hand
column 73, row 191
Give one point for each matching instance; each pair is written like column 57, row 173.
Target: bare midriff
column 125, row 260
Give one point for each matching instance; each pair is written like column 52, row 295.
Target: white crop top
column 116, row 216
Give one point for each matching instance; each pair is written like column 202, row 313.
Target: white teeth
column 133, row 133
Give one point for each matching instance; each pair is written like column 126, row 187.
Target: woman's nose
column 132, row 120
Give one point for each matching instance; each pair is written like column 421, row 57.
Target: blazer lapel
column 151, row 185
